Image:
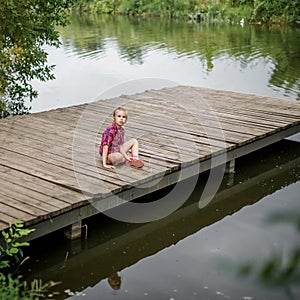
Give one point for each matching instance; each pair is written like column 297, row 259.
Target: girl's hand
column 108, row 166
column 129, row 157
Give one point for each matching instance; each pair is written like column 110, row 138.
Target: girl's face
column 120, row 118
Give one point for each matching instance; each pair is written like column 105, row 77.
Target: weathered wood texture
column 50, row 164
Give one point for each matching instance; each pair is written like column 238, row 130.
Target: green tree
column 25, row 28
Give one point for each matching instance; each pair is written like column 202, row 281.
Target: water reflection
column 136, row 38
column 100, row 52
column 177, row 256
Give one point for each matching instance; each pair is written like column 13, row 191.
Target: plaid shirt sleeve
column 107, row 138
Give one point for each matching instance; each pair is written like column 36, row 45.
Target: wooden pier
column 51, row 174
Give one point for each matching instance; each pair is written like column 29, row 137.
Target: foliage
column 286, row 11
column 13, row 248
column 26, row 27
column 14, row 288
column 166, row 8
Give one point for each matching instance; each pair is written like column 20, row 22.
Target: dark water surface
column 181, row 256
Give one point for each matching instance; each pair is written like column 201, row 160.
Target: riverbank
column 232, row 11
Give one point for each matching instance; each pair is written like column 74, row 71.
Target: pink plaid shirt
column 113, row 137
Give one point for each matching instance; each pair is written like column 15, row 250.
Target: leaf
column 4, row 264
column 23, row 244
column 5, row 235
column 26, row 27
column 13, row 251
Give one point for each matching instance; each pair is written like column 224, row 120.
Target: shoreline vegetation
column 12, row 284
column 282, row 12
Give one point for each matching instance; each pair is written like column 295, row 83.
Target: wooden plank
column 239, row 99
column 50, row 172
column 89, row 170
column 3, row 225
column 43, row 199
column 10, row 214
column 5, row 218
column 45, row 203
column 22, row 206
column 155, row 111
column 47, row 158
column 58, row 162
column 40, row 185
column 223, row 100
column 232, row 132
column 55, row 155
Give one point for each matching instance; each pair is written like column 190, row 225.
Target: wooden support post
column 230, row 167
column 229, row 171
column 230, row 179
column 74, row 231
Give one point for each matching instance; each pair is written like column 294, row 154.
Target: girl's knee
column 120, row 160
column 132, row 142
column 116, row 158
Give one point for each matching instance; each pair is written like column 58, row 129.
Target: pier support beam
column 74, row 231
column 230, row 167
column 229, row 171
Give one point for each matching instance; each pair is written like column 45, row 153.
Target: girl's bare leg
column 117, row 157
column 132, row 145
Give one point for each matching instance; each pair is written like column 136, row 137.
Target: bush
column 13, row 287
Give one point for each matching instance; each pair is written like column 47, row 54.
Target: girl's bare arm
column 104, row 158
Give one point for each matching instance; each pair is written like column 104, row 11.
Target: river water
column 193, row 253
column 105, row 56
